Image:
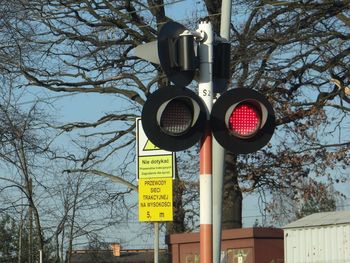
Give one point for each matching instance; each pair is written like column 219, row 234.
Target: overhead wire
column 64, row 95
column 46, row 99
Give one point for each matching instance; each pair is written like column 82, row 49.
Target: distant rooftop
column 321, row 219
column 106, row 256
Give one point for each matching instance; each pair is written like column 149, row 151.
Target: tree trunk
column 71, row 231
column 20, row 234
column 178, row 223
column 30, row 212
column 232, row 196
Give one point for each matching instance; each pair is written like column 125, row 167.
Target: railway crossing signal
column 174, row 118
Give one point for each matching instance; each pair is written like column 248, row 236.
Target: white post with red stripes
column 205, row 89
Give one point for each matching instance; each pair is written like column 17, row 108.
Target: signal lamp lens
column 176, row 119
column 245, row 120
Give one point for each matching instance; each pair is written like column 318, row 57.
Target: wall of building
column 246, row 245
column 318, row 244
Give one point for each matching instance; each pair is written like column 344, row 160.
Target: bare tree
column 288, row 50
column 53, row 208
column 30, row 189
column 19, row 149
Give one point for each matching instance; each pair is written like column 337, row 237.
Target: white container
column 318, row 238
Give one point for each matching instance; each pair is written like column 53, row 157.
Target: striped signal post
column 206, row 220
column 205, row 89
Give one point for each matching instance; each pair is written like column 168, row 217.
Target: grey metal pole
column 218, row 177
column 225, row 19
column 219, row 153
column 156, row 242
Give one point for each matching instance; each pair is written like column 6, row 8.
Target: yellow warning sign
column 156, row 199
column 158, row 166
column 149, row 146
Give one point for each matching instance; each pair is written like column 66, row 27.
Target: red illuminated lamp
column 242, row 120
column 245, row 120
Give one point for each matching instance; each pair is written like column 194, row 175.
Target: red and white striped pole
column 205, row 89
column 206, row 219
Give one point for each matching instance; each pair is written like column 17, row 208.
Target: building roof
column 106, row 256
column 321, row 219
